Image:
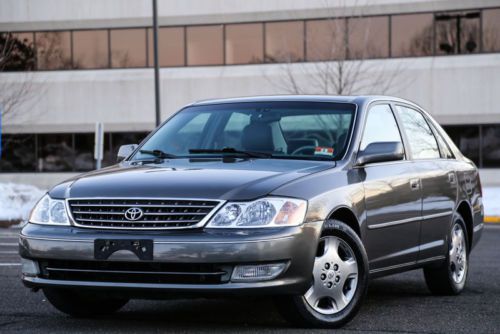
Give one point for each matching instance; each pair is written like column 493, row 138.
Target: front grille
column 155, row 213
column 135, row 272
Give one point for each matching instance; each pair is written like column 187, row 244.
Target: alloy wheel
column 335, row 276
column 458, row 254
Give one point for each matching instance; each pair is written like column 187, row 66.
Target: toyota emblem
column 134, row 214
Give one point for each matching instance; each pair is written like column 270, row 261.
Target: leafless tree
column 337, row 57
column 17, row 54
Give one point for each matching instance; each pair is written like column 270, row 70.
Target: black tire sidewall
column 343, row 231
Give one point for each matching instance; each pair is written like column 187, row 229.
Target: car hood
column 241, row 179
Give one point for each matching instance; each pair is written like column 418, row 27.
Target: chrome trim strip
column 410, row 220
column 166, row 242
column 478, row 227
column 145, row 213
column 396, row 222
column 224, row 242
column 56, row 239
column 437, row 215
column 434, row 258
column 408, row 264
column 201, row 223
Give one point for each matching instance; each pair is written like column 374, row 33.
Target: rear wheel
column 339, row 281
column 82, row 304
column 450, row 278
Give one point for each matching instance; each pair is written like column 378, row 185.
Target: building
column 89, row 61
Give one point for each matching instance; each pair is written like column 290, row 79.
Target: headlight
column 49, row 211
column 266, row 212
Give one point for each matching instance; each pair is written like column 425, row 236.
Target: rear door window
column 422, row 142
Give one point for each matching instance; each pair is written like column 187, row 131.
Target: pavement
column 395, row 304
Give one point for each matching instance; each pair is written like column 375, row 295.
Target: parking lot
column 398, row 304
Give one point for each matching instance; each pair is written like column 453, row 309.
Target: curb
column 492, row 219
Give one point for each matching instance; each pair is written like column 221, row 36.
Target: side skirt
column 386, row 271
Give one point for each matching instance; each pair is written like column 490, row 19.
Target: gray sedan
column 305, row 198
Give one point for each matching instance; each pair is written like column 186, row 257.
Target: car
column 301, row 198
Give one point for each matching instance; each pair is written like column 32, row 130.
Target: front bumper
column 228, row 247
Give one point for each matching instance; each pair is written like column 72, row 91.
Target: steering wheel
column 303, row 148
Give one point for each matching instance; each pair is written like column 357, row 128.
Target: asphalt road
column 398, row 304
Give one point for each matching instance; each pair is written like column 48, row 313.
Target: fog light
column 30, row 268
column 257, row 272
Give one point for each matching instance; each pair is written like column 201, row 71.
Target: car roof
column 357, row 99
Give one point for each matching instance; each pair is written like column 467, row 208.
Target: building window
column 18, row 153
column 368, row 37
column 467, row 140
column 284, row 41
column 90, row 49
column 21, row 51
column 491, row 146
column 84, row 151
column 171, row 50
column 326, row 39
column 244, row 43
column 124, row 138
column 128, row 48
column 53, row 49
column 55, row 153
column 412, row 35
column 491, row 30
column 457, row 32
column 205, row 45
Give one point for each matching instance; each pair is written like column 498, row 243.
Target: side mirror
column 380, row 152
column 125, row 151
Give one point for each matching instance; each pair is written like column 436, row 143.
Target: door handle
column 415, row 184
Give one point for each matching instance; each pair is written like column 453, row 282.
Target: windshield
column 280, row 130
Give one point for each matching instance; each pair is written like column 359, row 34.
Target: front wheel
column 83, row 304
column 339, row 281
column 450, row 277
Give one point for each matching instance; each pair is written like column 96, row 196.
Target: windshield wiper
column 231, row 151
column 159, row 154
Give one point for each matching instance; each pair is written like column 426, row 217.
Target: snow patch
column 17, row 200
column 491, row 201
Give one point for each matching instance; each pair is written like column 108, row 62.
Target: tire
column 336, row 278
column 82, row 304
column 451, row 276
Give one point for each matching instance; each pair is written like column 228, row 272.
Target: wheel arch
column 347, row 216
column 465, row 210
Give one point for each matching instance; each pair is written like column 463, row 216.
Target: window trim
column 421, row 112
column 362, row 132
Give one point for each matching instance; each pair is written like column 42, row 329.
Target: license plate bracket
column 142, row 248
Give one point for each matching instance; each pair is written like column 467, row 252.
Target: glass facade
column 53, row 50
column 368, row 37
column 325, row 39
column 171, row 47
column 457, row 32
column 90, row 49
column 381, row 36
column 244, row 43
column 75, row 152
column 50, row 152
column 412, row 35
column 128, row 48
column 284, row 41
column 491, row 30
column 205, row 45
